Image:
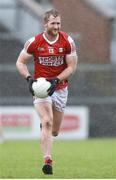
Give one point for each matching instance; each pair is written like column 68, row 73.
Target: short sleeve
column 29, row 46
column 72, row 47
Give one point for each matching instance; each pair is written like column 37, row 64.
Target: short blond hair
column 52, row 12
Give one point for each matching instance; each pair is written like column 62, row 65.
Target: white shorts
column 58, row 99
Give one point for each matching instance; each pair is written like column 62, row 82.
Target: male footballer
column 55, row 58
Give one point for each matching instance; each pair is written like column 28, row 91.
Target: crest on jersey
column 60, row 50
column 41, row 49
column 51, row 50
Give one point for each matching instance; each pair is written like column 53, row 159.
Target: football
column 40, row 87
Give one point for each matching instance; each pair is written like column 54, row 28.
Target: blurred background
column 92, row 25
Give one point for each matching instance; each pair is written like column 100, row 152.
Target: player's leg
column 57, row 120
column 44, row 110
column 59, row 99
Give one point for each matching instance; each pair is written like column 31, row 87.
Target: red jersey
column 50, row 56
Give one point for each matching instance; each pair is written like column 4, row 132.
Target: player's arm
column 22, row 60
column 23, row 70
column 21, row 63
column 71, row 61
column 24, row 56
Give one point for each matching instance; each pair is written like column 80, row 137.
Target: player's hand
column 30, row 81
column 53, row 82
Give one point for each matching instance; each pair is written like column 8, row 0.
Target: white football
column 40, row 87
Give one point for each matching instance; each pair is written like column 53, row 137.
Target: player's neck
column 50, row 37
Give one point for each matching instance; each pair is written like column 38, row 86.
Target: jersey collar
column 50, row 42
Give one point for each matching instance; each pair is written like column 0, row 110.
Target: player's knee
column 54, row 133
column 47, row 123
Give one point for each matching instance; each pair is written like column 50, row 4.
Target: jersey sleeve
column 71, row 48
column 29, row 46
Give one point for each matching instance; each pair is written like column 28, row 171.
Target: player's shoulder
column 31, row 43
column 66, row 36
column 39, row 36
column 35, row 38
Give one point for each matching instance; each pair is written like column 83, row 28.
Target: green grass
column 93, row 158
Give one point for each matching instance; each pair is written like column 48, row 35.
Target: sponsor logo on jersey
column 60, row 50
column 41, row 49
column 51, row 61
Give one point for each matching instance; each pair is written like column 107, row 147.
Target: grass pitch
column 92, row 158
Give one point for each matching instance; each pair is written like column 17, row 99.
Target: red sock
column 48, row 160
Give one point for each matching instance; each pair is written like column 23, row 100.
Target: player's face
column 53, row 25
